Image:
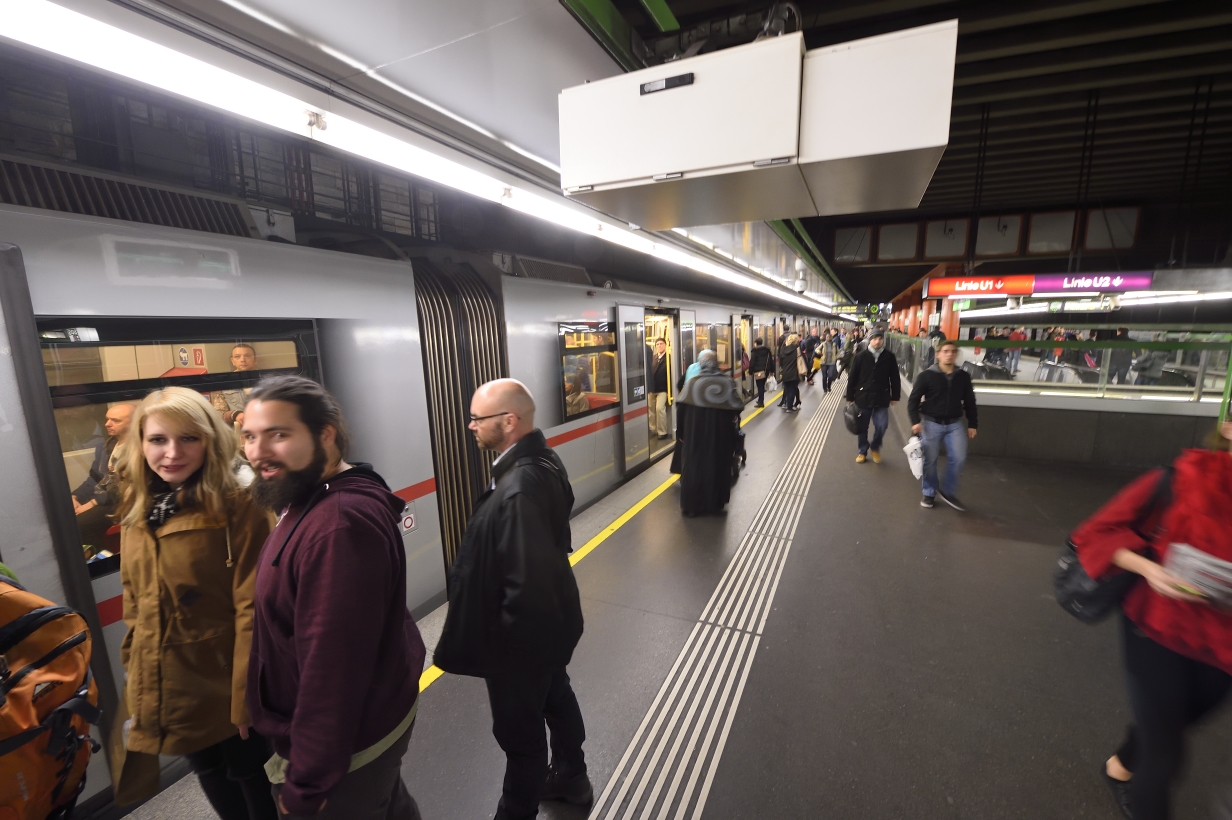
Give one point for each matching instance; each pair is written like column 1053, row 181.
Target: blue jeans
column 880, row 416
column 954, row 435
column 1015, row 358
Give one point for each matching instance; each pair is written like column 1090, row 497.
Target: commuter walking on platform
column 658, row 390
column 1150, row 366
column 759, row 366
column 939, row 399
column 1176, row 643
column 874, row 385
column 790, row 365
column 828, row 353
column 190, row 539
column 711, row 438
column 515, row 615
column 808, row 347
column 336, row 658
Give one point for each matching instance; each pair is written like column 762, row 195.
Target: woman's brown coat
column 189, row 619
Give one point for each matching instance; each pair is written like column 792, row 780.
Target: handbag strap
column 1160, row 500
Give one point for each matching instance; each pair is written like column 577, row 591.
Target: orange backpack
column 47, row 703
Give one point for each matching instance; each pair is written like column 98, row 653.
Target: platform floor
column 827, row 648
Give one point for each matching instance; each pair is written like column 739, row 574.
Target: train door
column 631, row 336
column 688, row 339
column 741, row 330
column 721, row 344
column 661, row 379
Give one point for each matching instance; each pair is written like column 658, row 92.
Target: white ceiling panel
column 499, row 64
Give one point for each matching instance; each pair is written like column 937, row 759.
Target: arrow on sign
column 1117, row 281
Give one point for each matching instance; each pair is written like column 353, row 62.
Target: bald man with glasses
column 515, row 615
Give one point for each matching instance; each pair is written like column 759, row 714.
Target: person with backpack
column 1176, row 644
column 336, row 656
column 189, row 537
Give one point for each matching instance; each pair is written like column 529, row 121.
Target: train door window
column 704, row 338
column 635, row 361
column 688, row 342
column 98, row 374
column 722, row 341
column 588, row 364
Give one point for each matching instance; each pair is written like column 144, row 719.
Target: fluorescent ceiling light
column 1067, row 393
column 1178, row 299
column 996, row 390
column 83, row 39
column 1036, row 307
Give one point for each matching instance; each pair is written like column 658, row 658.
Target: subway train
column 98, row 312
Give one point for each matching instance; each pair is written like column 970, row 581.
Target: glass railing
column 1180, row 370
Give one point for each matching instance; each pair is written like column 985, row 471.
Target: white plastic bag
column 915, row 456
column 771, row 383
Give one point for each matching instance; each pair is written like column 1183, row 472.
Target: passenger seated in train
column 575, row 401
column 710, row 437
column 231, row 402
column 96, row 499
column 190, row 539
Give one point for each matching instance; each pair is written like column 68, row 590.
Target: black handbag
column 1091, row 600
column 850, row 413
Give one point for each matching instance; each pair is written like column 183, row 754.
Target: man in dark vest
column 658, row 390
column 515, row 615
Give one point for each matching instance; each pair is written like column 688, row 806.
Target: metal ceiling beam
column 1065, row 101
column 607, row 25
column 1118, row 116
column 816, row 261
column 1123, row 53
column 1147, row 21
column 661, row 15
column 1110, row 77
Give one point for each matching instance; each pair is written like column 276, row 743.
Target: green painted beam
column 1227, row 394
column 821, row 259
column 606, row 24
column 661, row 14
column 818, row 263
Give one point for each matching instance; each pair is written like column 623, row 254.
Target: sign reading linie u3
column 1028, row 284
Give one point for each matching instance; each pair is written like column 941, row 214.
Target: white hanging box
column 763, row 131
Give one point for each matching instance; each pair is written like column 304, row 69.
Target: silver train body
column 363, row 313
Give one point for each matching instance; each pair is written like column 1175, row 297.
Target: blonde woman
column 189, row 540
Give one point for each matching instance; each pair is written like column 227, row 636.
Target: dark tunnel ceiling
column 1152, row 81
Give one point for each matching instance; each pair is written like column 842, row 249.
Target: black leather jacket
column 513, row 600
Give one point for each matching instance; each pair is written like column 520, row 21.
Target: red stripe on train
column 417, row 490
column 586, row 430
column 111, row 610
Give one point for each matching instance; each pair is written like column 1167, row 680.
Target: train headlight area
column 587, row 197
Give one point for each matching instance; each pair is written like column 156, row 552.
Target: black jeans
column 791, row 394
column 1168, row 693
column 827, row 376
column 232, row 775
column 522, row 702
column 761, row 391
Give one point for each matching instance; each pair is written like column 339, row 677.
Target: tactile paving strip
column 670, row 764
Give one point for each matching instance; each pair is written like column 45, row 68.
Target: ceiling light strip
column 77, row 37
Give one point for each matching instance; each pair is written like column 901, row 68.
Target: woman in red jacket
column 1177, row 646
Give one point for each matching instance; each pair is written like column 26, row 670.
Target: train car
column 98, row 312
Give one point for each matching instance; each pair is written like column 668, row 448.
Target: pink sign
column 1102, row 282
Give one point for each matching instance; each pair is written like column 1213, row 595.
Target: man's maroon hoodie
column 336, row 658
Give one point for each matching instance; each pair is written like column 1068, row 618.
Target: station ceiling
column 1058, row 104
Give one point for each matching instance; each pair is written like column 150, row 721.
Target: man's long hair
column 317, row 408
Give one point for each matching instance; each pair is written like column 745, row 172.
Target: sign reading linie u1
column 1029, row 284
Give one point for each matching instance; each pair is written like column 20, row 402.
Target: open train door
column 631, row 338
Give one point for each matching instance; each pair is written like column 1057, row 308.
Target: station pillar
column 949, row 319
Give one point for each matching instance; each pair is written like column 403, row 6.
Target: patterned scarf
column 165, row 505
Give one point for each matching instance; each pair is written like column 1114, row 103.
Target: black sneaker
column 1120, row 792
column 927, row 502
column 572, row 789
column 952, row 501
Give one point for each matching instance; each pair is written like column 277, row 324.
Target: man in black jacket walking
column 942, row 394
column 515, row 615
column 873, row 385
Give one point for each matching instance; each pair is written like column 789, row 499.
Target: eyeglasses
column 477, row 419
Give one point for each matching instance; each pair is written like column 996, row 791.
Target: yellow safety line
column 433, row 672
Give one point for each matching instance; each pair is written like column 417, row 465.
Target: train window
column 688, row 354
column 97, row 374
column 703, row 338
column 588, row 368
column 723, row 346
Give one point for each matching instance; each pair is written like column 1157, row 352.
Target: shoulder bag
column 1091, row 600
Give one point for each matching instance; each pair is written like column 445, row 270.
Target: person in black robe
column 710, row 425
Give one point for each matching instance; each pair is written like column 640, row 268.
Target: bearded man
column 336, row 657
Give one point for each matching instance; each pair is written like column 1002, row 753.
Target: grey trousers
column 372, row 792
